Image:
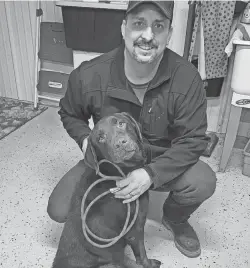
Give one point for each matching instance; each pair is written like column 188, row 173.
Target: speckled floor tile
column 36, row 156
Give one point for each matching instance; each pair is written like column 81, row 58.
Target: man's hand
column 136, row 183
column 84, row 146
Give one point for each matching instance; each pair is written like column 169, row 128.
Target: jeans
column 187, row 192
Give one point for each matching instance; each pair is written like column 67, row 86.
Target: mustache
column 145, row 43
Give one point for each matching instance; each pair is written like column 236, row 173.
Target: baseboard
column 240, row 142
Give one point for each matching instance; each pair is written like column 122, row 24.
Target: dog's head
column 116, row 138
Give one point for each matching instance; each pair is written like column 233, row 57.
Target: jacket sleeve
column 74, row 109
column 190, row 125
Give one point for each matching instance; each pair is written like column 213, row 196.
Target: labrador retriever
column 118, row 139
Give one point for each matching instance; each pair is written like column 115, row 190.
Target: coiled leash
column 126, row 227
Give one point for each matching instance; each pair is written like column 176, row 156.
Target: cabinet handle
column 55, row 84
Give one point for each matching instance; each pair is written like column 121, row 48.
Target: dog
column 116, row 138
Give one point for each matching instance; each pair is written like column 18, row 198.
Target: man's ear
column 123, row 28
column 90, row 157
column 169, row 35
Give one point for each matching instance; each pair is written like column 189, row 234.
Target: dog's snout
column 121, row 142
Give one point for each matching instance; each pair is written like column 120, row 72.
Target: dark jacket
column 173, row 115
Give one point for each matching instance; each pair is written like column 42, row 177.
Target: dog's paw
column 149, row 263
column 154, row 263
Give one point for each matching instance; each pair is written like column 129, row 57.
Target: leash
column 86, row 231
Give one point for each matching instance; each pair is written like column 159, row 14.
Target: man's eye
column 138, row 23
column 158, row 25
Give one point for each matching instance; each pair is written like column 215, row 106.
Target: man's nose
column 148, row 34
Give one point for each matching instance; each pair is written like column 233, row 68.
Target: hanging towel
column 217, row 17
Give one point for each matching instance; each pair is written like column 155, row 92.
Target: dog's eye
column 102, row 138
column 122, row 124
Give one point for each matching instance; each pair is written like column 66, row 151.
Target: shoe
column 185, row 238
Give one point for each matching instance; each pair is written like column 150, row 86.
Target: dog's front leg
column 135, row 237
column 138, row 247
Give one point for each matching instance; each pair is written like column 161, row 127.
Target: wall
column 179, row 25
column 17, row 47
column 17, row 52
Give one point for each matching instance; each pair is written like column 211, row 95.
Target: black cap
column 166, row 7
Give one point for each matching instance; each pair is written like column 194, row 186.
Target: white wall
column 17, row 45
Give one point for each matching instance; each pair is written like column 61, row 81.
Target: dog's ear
column 90, row 157
column 134, row 123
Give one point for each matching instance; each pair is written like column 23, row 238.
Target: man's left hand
column 135, row 184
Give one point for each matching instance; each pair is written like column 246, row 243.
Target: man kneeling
column 165, row 95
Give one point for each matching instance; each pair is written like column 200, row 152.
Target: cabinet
column 92, row 27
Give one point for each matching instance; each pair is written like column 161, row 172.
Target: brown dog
column 116, row 138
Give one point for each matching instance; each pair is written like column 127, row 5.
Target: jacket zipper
column 143, row 108
column 152, row 106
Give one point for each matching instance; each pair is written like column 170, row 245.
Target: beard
column 144, row 52
column 143, row 58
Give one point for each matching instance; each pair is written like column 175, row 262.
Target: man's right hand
column 84, row 146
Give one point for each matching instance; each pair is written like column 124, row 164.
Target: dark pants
column 187, row 192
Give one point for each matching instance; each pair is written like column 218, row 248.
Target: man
column 164, row 93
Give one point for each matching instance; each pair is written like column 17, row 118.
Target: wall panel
column 8, row 86
column 17, row 45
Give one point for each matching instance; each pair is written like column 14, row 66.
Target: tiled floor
column 32, row 160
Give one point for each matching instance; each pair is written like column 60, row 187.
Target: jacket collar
column 118, row 77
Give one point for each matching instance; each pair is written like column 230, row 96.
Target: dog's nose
column 121, row 142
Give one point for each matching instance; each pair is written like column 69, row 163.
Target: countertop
column 93, row 4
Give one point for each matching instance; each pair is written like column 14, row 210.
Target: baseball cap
column 166, row 7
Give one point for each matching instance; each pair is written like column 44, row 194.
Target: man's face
column 146, row 33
